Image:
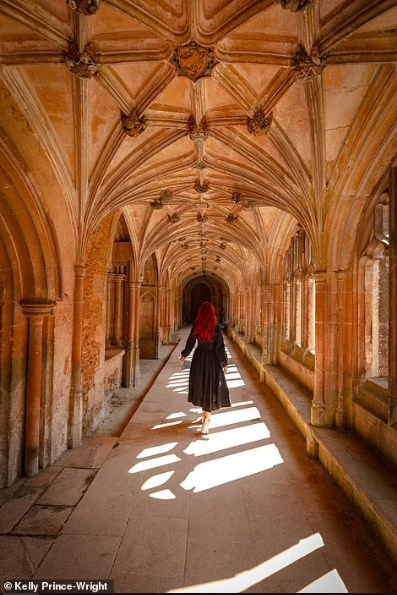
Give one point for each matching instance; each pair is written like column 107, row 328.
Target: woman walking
column 207, row 383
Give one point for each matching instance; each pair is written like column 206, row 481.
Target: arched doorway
column 200, row 293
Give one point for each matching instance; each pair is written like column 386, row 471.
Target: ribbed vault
column 217, row 127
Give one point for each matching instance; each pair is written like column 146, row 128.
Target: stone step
column 367, row 481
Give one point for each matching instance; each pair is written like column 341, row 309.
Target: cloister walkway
column 162, row 508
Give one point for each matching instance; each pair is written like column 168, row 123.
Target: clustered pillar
column 35, row 313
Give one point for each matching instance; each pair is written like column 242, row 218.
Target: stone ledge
column 365, row 480
column 374, row 399
column 113, row 353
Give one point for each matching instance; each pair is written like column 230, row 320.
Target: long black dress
column 207, row 383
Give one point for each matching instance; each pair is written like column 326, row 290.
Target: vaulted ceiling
column 216, row 125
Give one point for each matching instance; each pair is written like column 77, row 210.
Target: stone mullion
column 393, row 298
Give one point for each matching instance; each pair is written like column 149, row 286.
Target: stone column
column 393, row 298
column 157, row 322
column 318, row 405
column 168, row 315
column 340, row 409
column 76, row 396
column 248, row 314
column 35, row 313
column 275, row 316
column 242, row 311
column 265, row 325
column 130, row 338
column 110, row 280
column 162, row 312
column 305, row 311
column 136, row 296
column 119, row 278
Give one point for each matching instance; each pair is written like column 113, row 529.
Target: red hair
column 206, row 321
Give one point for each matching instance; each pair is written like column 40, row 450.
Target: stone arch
column 201, row 289
column 30, row 282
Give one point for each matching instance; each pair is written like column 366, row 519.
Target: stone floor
column 161, row 508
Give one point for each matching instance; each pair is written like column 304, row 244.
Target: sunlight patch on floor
column 177, row 383
column 156, row 450
column 157, row 480
column 228, row 439
column 236, row 416
column 153, row 463
column 235, row 383
column 329, row 583
column 167, row 425
column 176, row 415
column 231, row 467
column 244, row 580
column 163, row 495
column 242, row 404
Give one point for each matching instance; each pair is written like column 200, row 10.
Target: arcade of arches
column 154, row 155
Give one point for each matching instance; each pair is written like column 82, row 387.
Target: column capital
column 118, row 277
column 319, row 276
column 135, row 284
column 79, row 270
column 37, row 308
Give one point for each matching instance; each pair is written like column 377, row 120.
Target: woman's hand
column 225, row 369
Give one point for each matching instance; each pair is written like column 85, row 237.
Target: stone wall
column 94, row 327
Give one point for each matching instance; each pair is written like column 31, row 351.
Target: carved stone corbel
column 166, row 196
column 231, row 218
column 237, row 197
column 201, row 188
column 296, row 5
column 132, row 125
column 86, row 7
column 198, row 131
column 156, row 204
column 248, row 205
column 81, row 64
column 193, row 61
column 259, row 123
column 174, row 218
column 307, row 66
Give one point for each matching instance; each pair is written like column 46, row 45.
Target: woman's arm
column 220, row 348
column 190, row 343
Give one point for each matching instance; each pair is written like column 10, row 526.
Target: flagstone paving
column 161, row 508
